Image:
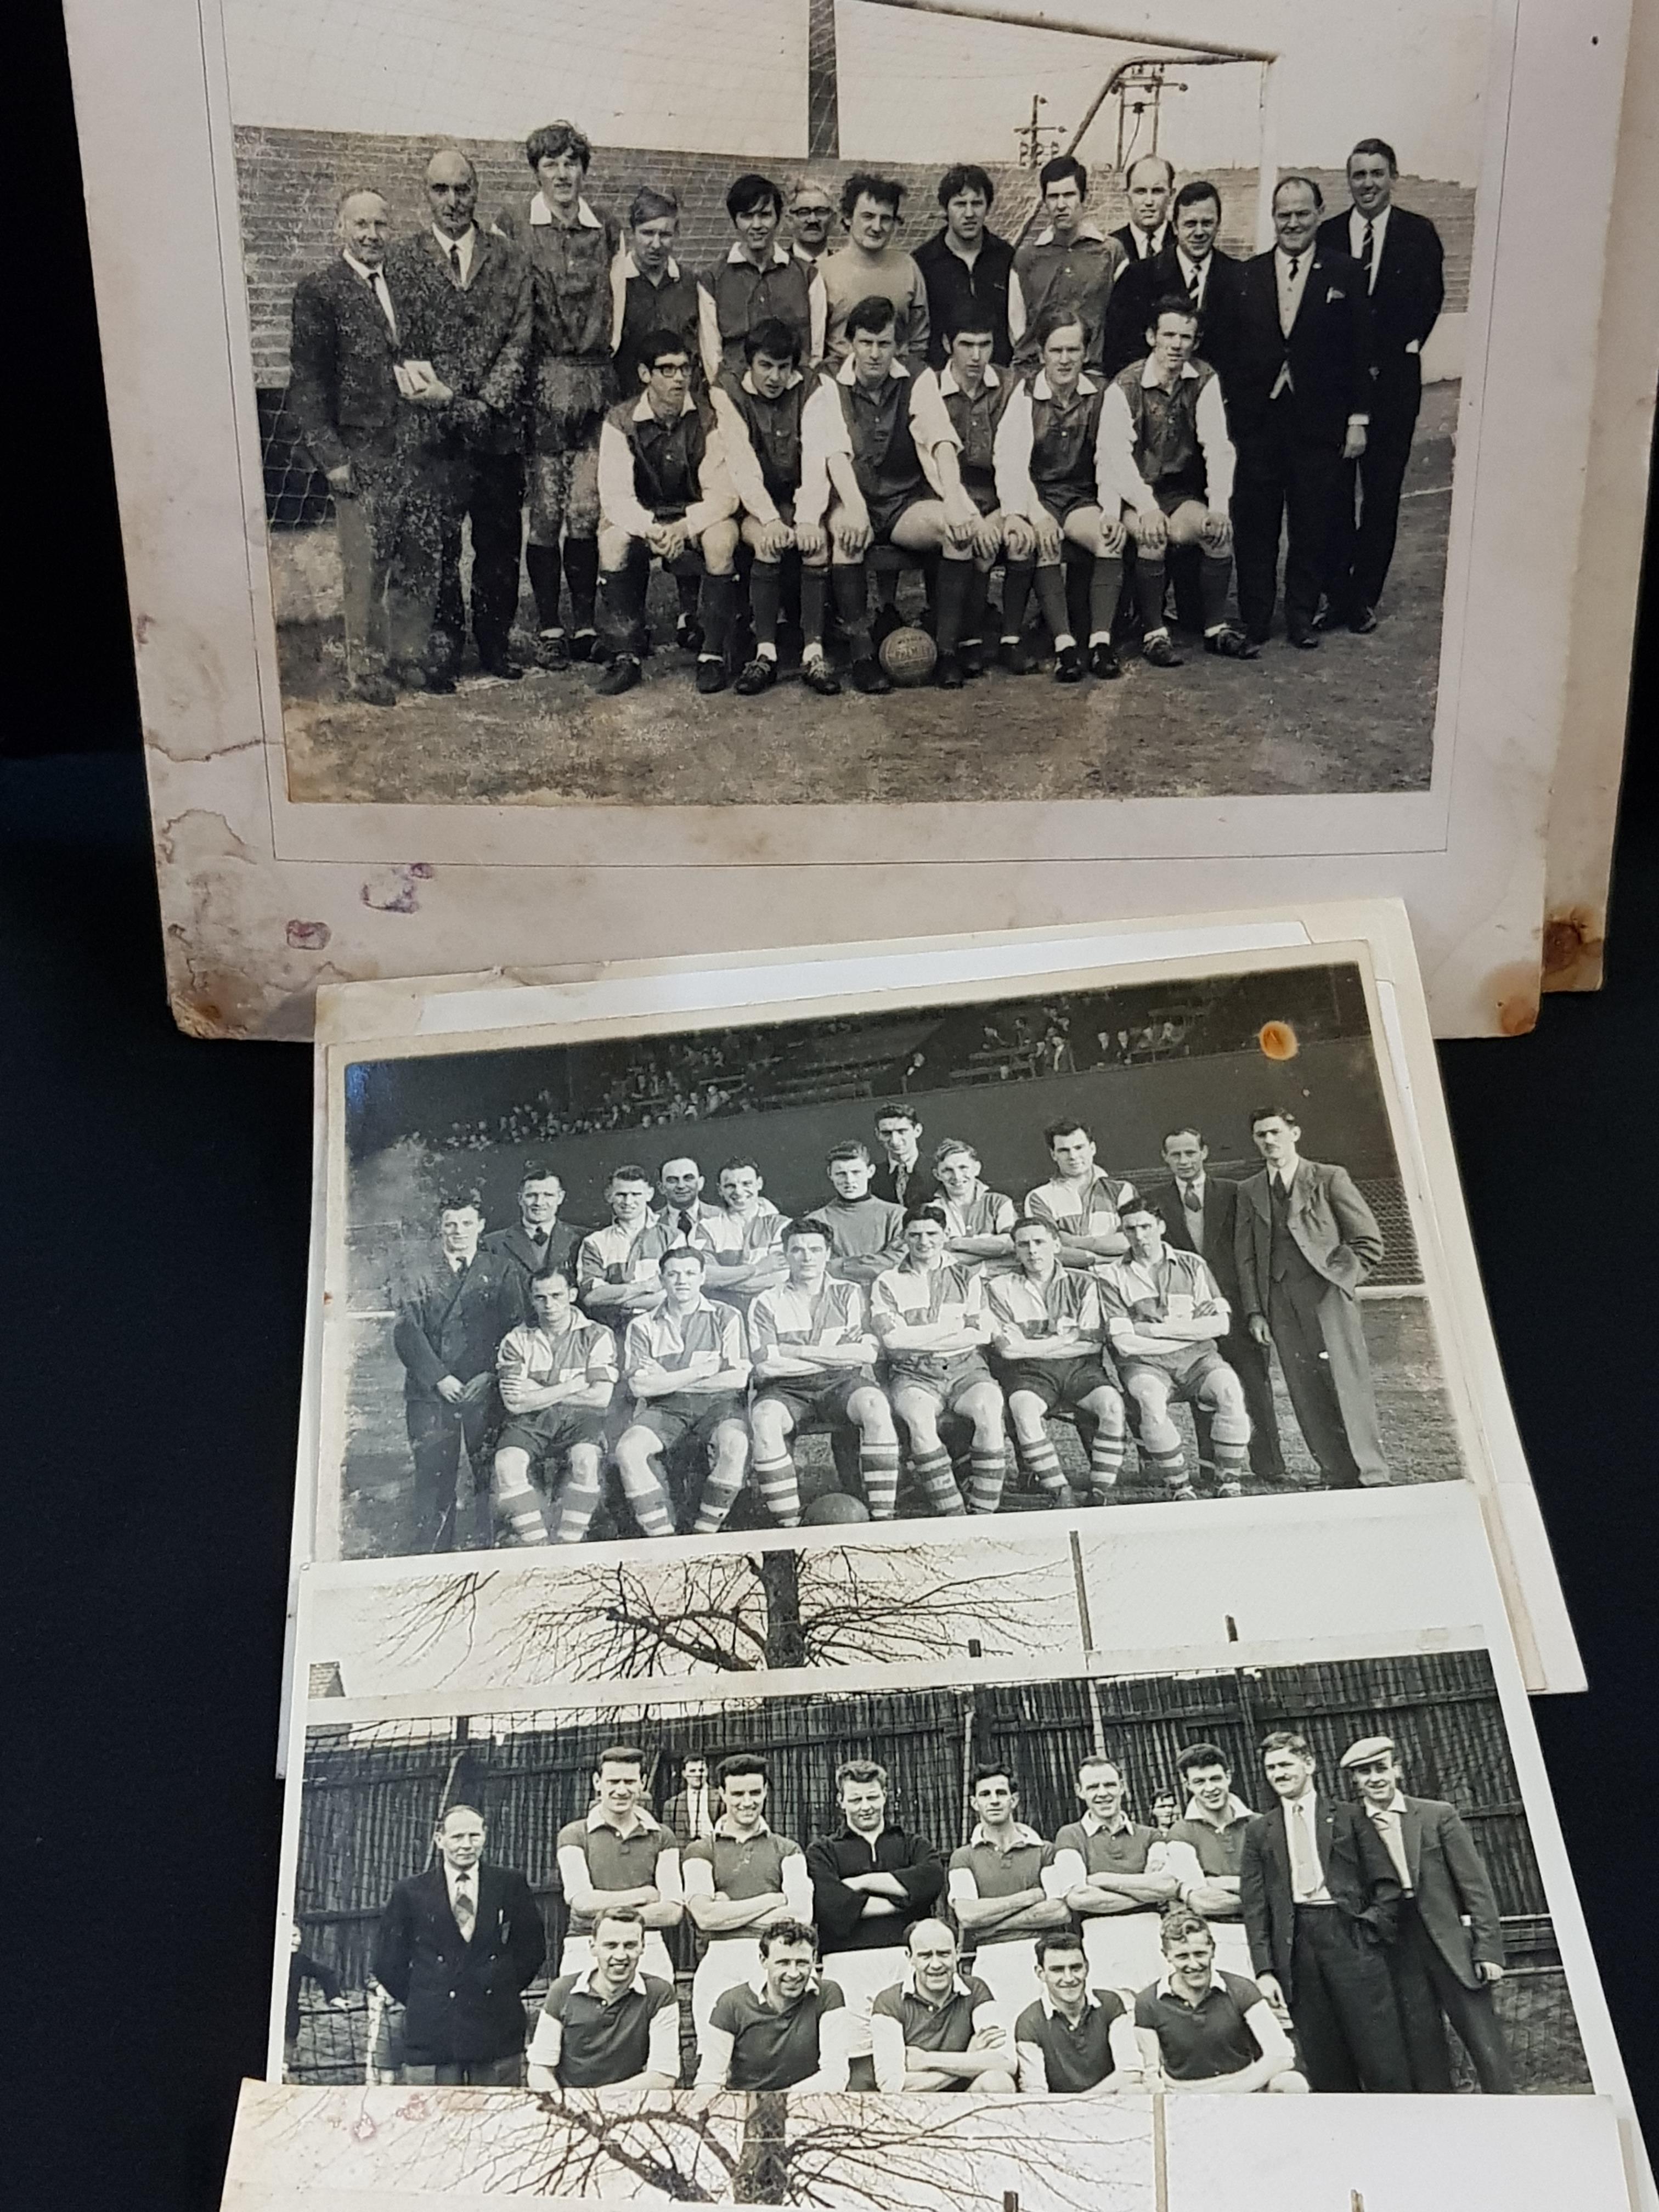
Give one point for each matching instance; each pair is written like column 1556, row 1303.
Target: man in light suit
column 1298, row 404
column 1403, row 265
column 456, row 1946
column 1448, row 1957
column 450, row 1320
column 691, row 1812
column 357, row 408
column 1319, row 1898
column 1304, row 1241
column 1200, row 1213
column 478, row 288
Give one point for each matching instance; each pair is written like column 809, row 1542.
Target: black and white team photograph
column 856, row 400
column 1062, row 1252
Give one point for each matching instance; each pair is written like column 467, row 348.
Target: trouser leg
column 1421, row 2025
column 362, row 581
column 1473, row 2016
column 1382, row 480
column 435, row 1443
column 1249, row 1362
column 1313, row 488
column 1293, row 1318
column 1258, row 513
column 496, row 509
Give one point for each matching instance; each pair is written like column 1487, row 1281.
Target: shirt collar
column 723, row 1827
column 599, row 1818
column 947, row 379
column 1094, row 1826
column 1041, row 389
column 1023, row 1836
column 907, row 1983
column 1166, row 1983
column 758, row 1986
column 627, row 267
column 468, row 237
column 1397, row 1805
column 540, row 212
column 368, row 276
column 636, row 1988
column 848, row 373
column 1149, row 377
column 795, row 378
column 644, row 412
column 1091, row 231
column 1304, row 253
column 778, row 258
column 1091, row 2003
column 1236, row 1810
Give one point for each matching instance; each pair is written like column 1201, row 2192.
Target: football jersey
column 987, row 1213
column 1035, row 1309
column 784, row 1316
column 1088, row 1209
column 674, row 1339
column 617, row 1255
column 952, row 1294
column 529, row 1354
column 1179, row 1285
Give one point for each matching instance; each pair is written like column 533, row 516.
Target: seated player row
column 957, row 471
column 1112, row 1957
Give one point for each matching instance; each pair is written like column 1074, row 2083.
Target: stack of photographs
column 910, row 1563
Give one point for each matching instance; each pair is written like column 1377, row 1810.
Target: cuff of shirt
column 1358, row 422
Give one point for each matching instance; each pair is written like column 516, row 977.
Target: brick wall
column 289, row 181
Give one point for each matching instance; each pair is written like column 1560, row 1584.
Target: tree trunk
column 785, row 1642
column 763, row 2162
column 822, row 86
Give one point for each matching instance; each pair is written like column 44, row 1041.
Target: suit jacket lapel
column 1324, row 1827
column 1411, row 1820
column 1309, row 282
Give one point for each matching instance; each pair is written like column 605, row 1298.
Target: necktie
column 1305, row 1876
column 1195, row 286
column 455, row 271
column 685, row 1223
column 465, row 1907
column 1191, row 1200
column 1367, row 248
column 1296, row 264
column 377, row 285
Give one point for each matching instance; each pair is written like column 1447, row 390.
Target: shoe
column 888, row 619
column 438, row 680
column 552, row 649
column 584, row 645
column 1304, row 641
column 623, row 675
column 1363, row 620
column 1183, row 1493
column 688, row 634
column 1158, row 652
column 971, row 653
column 373, row 690
column 755, row 677
column 410, row 676
column 1016, row 657
column 1068, row 664
column 1258, row 634
column 711, row 674
column 1103, row 660
column 1230, row 1486
column 499, row 665
column 947, row 673
column 816, row 675
column 1231, row 644
column 870, row 677
column 1325, row 615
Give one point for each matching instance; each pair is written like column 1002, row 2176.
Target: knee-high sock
column 1170, row 1465
column 1215, row 577
column 878, row 1468
column 933, row 1471
column 987, row 1470
column 1105, row 590
column 766, row 600
column 1042, row 1462
column 685, row 591
column 849, row 582
column 720, row 1486
column 1016, row 597
column 776, row 1480
column 1149, row 590
column 579, row 1500
column 1051, row 597
column 718, row 601
column 887, row 584
column 953, row 576
column 1106, row 1458
column 581, row 574
column 976, row 590
column 623, row 594
column 542, row 565
column 648, row 1502
column 814, row 593
column 519, row 1511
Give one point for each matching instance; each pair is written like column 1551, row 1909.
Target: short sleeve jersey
column 731, row 1236
column 948, row 2027
column 1086, row 1209
column 1109, row 1851
column 743, row 1867
column 951, row 1294
column 530, row 1355
column 1001, row 1874
column 616, row 1861
column 603, row 2042
column 773, row 2050
column 1180, row 1287
column 1200, row 2042
column 1218, row 1851
column 1037, row 1309
column 620, row 1256
column 787, row 1317
column 673, row 1340
column 1074, row 2058
column 987, row 1213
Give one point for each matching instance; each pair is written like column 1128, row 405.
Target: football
column 908, row 655
column 833, row 1505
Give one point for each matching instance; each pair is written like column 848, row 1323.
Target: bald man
column 361, row 410
column 477, row 285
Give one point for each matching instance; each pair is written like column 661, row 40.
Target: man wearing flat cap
column 1448, row 1955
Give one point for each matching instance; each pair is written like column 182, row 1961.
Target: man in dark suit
column 538, row 1239
column 1200, row 1213
column 1297, row 407
column 691, row 1812
column 1403, row 263
column 902, row 1175
column 357, row 404
column 1448, row 1956
column 1149, row 187
column 1320, row 1896
column 450, row 1320
column 1304, row 1241
column 479, row 289
column 1189, row 262
column 456, row 1946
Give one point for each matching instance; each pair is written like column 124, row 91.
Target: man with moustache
column 812, row 219
column 482, row 328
